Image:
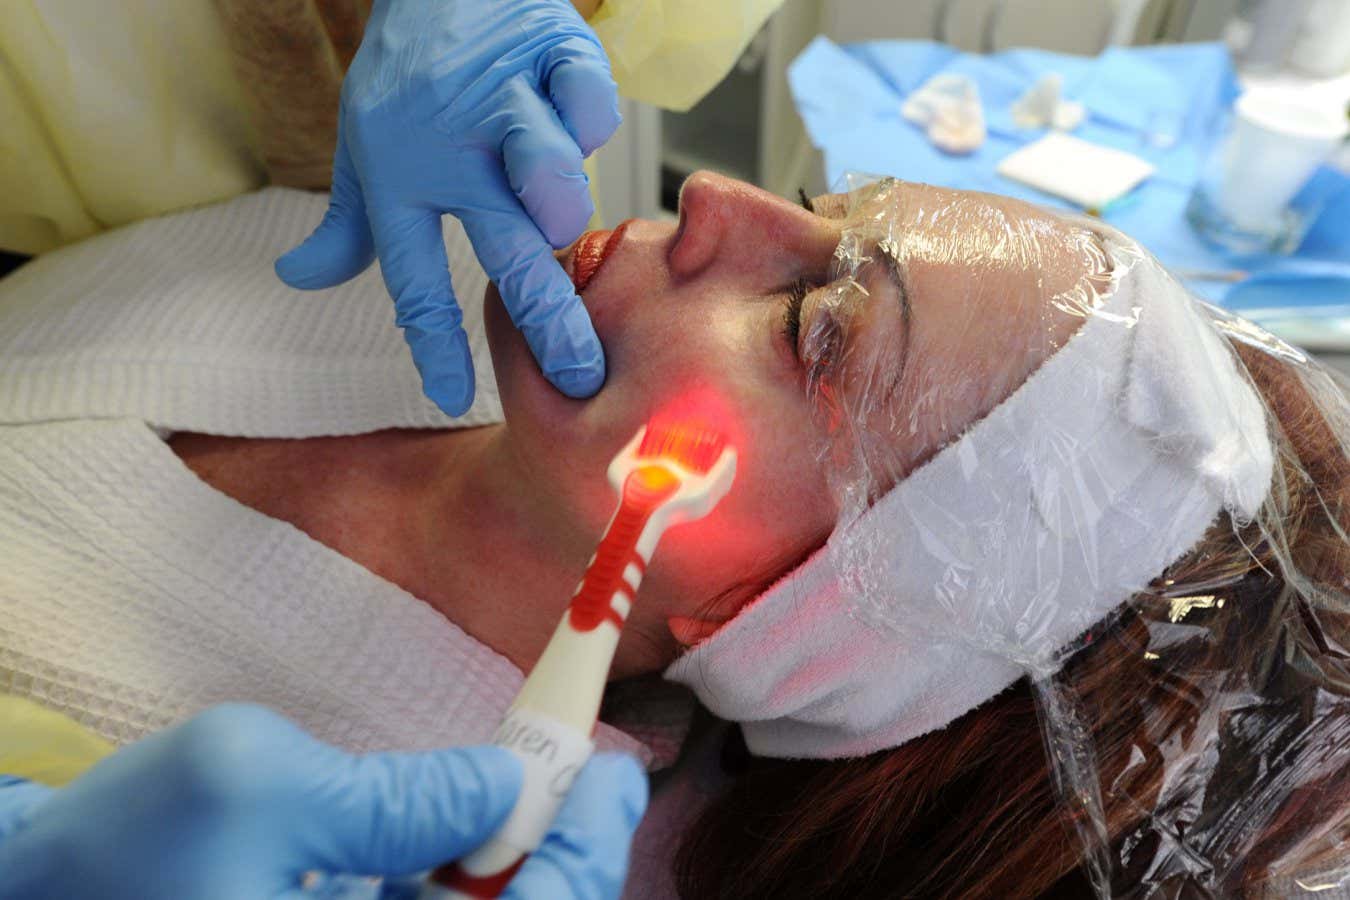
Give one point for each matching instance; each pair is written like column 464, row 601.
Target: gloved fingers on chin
column 417, row 274
column 544, row 168
column 538, row 296
column 341, row 247
column 585, row 854
column 583, row 92
column 445, row 365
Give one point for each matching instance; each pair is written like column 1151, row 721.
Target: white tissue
column 948, row 108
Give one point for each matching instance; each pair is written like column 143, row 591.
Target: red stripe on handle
column 643, row 491
column 481, row 886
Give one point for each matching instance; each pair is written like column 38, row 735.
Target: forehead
column 946, row 227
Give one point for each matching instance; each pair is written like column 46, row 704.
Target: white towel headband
column 1107, row 465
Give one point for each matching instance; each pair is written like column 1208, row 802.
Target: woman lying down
column 1032, row 581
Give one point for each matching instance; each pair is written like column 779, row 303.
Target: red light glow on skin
column 700, row 408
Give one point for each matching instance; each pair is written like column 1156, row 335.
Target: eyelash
column 797, row 291
column 792, row 312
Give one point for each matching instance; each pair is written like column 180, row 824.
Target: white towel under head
column 984, row 564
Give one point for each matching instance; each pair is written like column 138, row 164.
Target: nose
column 722, row 219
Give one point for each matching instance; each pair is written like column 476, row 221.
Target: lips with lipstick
column 590, row 252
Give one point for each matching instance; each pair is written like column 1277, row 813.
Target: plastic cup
column 1273, row 146
column 1272, row 151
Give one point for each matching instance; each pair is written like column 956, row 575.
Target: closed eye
column 792, row 312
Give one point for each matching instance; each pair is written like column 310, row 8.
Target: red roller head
column 692, row 445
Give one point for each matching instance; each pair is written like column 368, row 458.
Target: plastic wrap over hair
column 1052, row 463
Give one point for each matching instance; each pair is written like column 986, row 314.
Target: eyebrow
column 898, row 279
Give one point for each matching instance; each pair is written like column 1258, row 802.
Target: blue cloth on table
column 850, row 99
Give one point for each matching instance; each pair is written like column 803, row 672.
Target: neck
column 455, row 518
column 491, row 552
column 497, row 551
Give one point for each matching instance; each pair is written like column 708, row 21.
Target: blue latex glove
column 239, row 802
column 483, row 110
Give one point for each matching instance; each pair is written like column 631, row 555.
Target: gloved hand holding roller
column 239, row 802
column 483, row 111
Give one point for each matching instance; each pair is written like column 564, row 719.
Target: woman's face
column 817, row 358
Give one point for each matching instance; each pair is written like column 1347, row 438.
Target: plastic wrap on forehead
column 859, row 386
column 1054, row 464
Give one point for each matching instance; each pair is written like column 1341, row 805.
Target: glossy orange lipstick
column 590, row 252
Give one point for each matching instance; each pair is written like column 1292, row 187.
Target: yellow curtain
column 114, row 112
column 671, row 52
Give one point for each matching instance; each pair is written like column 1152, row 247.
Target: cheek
column 778, row 509
column 686, row 362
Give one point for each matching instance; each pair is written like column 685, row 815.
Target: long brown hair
column 971, row 811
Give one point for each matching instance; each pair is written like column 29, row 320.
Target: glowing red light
column 693, row 427
column 693, row 445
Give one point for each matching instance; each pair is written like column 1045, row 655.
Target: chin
column 567, row 444
column 537, row 412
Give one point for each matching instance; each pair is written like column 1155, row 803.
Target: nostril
column 702, row 212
